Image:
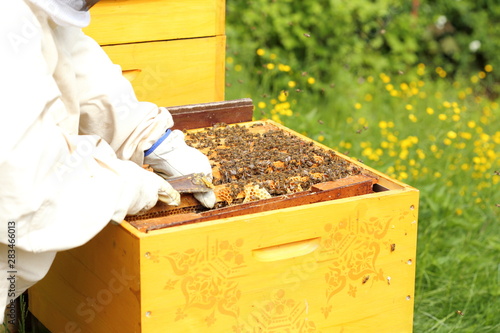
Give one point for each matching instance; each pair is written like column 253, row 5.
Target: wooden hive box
column 345, row 263
column 172, row 51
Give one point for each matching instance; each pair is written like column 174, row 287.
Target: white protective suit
column 72, row 138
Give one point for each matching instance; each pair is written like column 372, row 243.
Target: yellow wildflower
column 441, row 72
column 260, row 52
column 282, row 96
column 385, row 78
column 421, row 69
column 465, row 135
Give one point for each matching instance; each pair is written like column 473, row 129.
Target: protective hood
column 65, row 12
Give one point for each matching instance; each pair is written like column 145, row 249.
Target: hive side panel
column 93, row 288
column 340, row 266
column 175, row 72
column 129, row 21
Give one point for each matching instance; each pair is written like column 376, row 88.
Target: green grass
column 438, row 134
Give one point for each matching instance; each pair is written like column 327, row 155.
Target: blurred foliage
column 323, row 36
column 410, row 89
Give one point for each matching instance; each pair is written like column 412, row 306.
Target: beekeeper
column 73, row 139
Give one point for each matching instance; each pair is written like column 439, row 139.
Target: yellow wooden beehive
column 344, row 265
column 172, row 51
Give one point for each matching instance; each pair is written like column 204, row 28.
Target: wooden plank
column 130, row 21
column 207, row 114
column 342, row 188
column 89, row 287
column 175, row 72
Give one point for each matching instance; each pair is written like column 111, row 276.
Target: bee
column 460, row 313
column 307, row 35
column 365, row 279
column 393, row 247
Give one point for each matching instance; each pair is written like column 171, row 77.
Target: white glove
column 170, row 156
column 143, row 189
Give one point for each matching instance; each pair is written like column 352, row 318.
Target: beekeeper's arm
column 58, row 187
column 109, row 108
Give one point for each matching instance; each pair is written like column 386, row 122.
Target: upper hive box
column 172, row 51
column 341, row 261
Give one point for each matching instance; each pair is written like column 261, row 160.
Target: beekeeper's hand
column 142, row 189
column 170, row 156
column 153, row 188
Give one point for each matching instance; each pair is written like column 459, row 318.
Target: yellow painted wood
column 345, row 265
column 94, row 288
column 129, row 21
column 174, row 72
column 214, row 282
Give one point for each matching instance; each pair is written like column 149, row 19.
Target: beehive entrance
column 256, row 162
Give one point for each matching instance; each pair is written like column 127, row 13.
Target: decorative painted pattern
column 352, row 247
column 208, row 278
column 279, row 314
